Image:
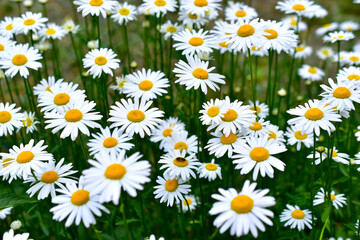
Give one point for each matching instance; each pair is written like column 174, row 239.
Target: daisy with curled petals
column 170, row 189
column 296, row 218
column 313, row 116
column 10, row 118
column 25, row 159
column 7, row 27
column 123, row 13
column 178, row 165
column 236, row 117
column 326, row 28
column 257, row 128
column 295, row 136
column 164, row 131
column 78, row 116
column 135, row 117
column 199, row 7
column 350, row 74
column 257, row 155
column 45, row 85
column 146, row 84
column 189, row 202
column 19, row 58
column 338, row 36
column 95, row 7
column 300, row 7
column 237, row 10
column 169, row 29
column 220, row 144
column 4, row 212
column 189, row 20
column 196, row 73
column 336, row 156
column 341, row 94
column 29, row 121
column 245, row 34
column 52, row 31
column 78, row 203
column 311, row 73
column 101, row 60
column 60, row 96
column 262, row 110
column 193, row 42
column 243, row 211
column 210, row 170
column 158, row 7
column 212, row 111
column 325, row 53
column 110, row 142
column 275, row 134
column 10, row 235
column 110, row 174
column 5, row 44
column 338, row 200
column 49, row 178
column 29, row 22
column 180, row 141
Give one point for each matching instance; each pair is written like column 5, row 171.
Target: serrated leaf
column 11, row 200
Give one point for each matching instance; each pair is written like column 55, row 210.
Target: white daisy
column 257, row 154
column 296, row 218
column 262, row 110
column 260, row 52
column 300, row 7
column 193, row 42
column 165, row 131
column 199, row 7
column 352, row 58
column 7, row 27
column 5, row 162
column 189, row 19
column 311, row 73
column 210, row 170
column 101, row 60
column 338, row 36
column 325, row 53
column 29, row 121
column 120, row 83
column 243, row 211
column 4, row 212
column 169, row 29
column 10, row 235
column 45, row 85
column 295, row 136
column 326, row 28
column 189, row 202
column 5, row 44
column 158, row 7
column 10, row 118
column 123, row 13
column 237, row 10
column 29, row 22
column 70, row 27
column 336, row 156
column 349, row 26
column 258, row 128
column 351, row 74
column 338, row 200
column 52, row 31
column 180, row 141
column 302, row 51
column 292, row 22
column 219, row 145
column 212, row 111
column 276, row 134
column 95, row 7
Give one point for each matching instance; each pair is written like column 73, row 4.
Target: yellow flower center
column 29, row 22
column 101, row 61
column 192, row 16
column 259, row 154
column 224, row 45
column 314, row 114
column 246, row 30
column 171, row 29
column 188, row 202
column 256, row 126
column 273, row 34
column 242, row 204
column 181, row 146
column 200, row 73
column 298, row 7
column 110, row 142
column 354, row 77
column 326, row 25
column 211, row 167
column 96, row 3
column 293, row 22
column 27, row 122
column 145, row 85
column 50, row 31
column 49, row 177
column 7, row 161
column 115, row 171
column 61, row 99
column 332, row 196
column 300, row 136
column 121, row 84
column 230, row 116
column 171, row 185
column 298, row 214
column 354, row 58
column 80, row 197
column 213, row 111
column 258, row 110
column 124, row 11
column 2, row 48
column 19, row 60
column 240, row 13
column 73, row 115
column 5, row 116
column 300, row 49
column 342, row 92
column 167, row 132
column 228, row 140
column 9, row 27
column 312, row 70
column 160, row 3
column 24, row 157
column 325, row 52
column 196, row 41
column 200, row 3
column 181, row 162
column 272, row 135
column 136, row 116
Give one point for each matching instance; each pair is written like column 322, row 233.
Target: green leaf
column 326, row 213
column 11, row 200
column 131, row 220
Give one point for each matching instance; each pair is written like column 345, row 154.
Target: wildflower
column 337, row 199
column 296, row 218
column 29, row 121
column 9, row 118
column 7, row 27
column 4, row 212
column 120, row 82
column 101, row 60
column 279, row 37
column 326, row 28
column 338, row 36
column 95, row 7
column 193, row 42
column 180, row 141
column 210, row 170
column 188, row 203
column 29, row 22
column 52, row 31
column 199, row 7
column 169, row 29
column 311, row 73
column 158, row 7
column 123, row 13
column 219, row 145
column 325, row 53
column 237, row 10
column 296, row 137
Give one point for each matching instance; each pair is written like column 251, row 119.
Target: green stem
column 323, row 228
column 122, row 210
column 312, row 182
column 98, row 30
column 108, row 23
column 127, row 48
column 9, row 89
column 268, row 89
column 338, row 56
column 78, row 60
column 272, row 96
column 252, row 81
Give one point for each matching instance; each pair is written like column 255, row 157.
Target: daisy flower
column 243, row 211
column 324, row 53
column 5, row 44
column 5, row 162
column 292, row 22
column 212, row 111
column 10, row 235
column 199, row 7
column 196, row 73
column 311, row 73
column 341, row 94
column 237, row 10
column 296, row 218
column 152, row 237
column 189, row 202
column 78, row 203
column 52, row 31
column 158, row 7
column 169, row 29
column 110, row 142
column 95, row 7
column 29, row 121
column 10, row 118
column 7, row 27
column 299, row 7
column 70, row 27
column 111, row 173
column 219, row 145
column 350, row 74
column 338, row 200
column 50, row 177
column 257, row 128
column 296, row 137
column 4, row 212
column 165, row 131
column 193, row 42
column 29, row 22
column 262, row 110
column 326, row 28
column 210, row 170
column 257, row 154
column 260, row 52
column 352, row 58
column 123, row 13
column 19, row 58
column 45, row 85
column 276, row 134
column 336, row 156
column 180, row 141
column 313, row 116
column 25, row 159
column 120, row 83
column 135, row 117
column 178, row 165
column 146, row 84
column 101, row 60
column 170, row 189
column 78, row 116
column 349, row 26
column 338, row 36
column 189, row 20
column 301, row 51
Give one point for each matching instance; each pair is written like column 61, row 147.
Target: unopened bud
column 16, row 225
column 282, row 92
